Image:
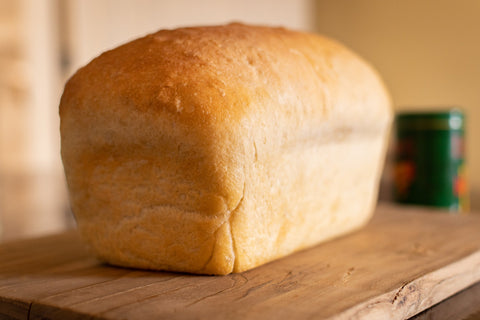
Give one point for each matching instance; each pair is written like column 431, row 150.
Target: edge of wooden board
column 409, row 299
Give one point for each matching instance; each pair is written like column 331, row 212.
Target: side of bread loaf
column 217, row 149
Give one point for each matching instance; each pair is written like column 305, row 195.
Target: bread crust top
column 210, row 76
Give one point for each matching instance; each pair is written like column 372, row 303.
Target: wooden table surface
column 406, row 260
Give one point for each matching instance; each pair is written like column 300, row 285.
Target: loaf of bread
column 217, row 149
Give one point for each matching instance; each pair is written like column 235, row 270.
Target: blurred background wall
column 32, row 193
column 427, row 51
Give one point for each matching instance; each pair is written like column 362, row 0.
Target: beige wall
column 32, row 194
column 99, row 25
column 427, row 51
column 29, row 85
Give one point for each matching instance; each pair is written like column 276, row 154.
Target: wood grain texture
column 406, row 260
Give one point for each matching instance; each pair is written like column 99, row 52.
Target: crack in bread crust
column 230, row 221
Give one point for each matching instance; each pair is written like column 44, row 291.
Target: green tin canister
column 430, row 159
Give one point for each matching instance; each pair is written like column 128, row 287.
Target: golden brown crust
column 190, row 149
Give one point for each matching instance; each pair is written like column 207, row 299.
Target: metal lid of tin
column 452, row 119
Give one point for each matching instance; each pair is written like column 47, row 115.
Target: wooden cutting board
column 404, row 261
